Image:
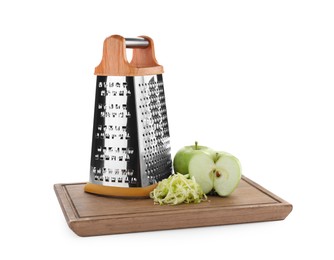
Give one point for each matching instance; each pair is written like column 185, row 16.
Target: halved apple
column 221, row 174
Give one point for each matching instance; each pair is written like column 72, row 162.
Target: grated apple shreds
column 176, row 189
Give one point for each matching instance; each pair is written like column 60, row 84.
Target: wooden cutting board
column 90, row 215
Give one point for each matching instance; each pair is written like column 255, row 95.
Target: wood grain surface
column 90, row 215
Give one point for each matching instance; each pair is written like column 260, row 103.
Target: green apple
column 184, row 155
column 221, row 174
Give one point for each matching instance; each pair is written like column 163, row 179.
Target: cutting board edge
column 264, row 190
column 153, row 222
column 65, row 202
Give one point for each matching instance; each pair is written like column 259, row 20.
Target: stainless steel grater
column 130, row 145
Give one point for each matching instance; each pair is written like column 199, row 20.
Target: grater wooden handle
column 114, row 61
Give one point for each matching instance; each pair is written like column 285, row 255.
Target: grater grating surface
column 130, row 144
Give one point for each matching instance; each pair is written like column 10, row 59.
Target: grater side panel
column 96, row 142
column 131, row 126
column 114, row 155
column 153, row 131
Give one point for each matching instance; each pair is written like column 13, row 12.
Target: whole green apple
column 185, row 154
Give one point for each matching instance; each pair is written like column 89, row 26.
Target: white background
column 253, row 78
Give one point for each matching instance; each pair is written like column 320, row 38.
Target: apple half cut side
column 201, row 167
column 222, row 175
column 228, row 174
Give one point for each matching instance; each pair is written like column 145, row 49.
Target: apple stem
column 218, row 174
column 196, row 145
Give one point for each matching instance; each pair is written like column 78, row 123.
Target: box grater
column 130, row 145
